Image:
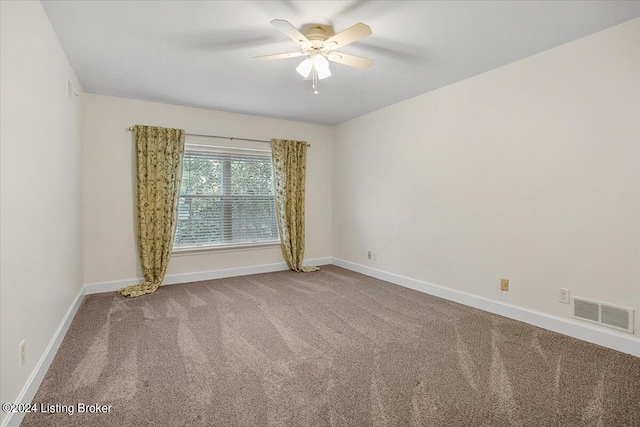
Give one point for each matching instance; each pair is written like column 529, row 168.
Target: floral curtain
column 158, row 171
column 289, row 172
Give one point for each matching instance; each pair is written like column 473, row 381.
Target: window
column 226, row 198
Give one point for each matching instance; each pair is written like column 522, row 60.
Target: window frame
column 224, row 197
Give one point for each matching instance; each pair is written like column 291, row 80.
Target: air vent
column 604, row 314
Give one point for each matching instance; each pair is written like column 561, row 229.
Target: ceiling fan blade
column 280, row 56
column 290, row 31
column 350, row 60
column 350, row 35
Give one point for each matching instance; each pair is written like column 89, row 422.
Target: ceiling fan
column 319, row 44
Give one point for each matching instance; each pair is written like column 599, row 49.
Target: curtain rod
column 231, row 138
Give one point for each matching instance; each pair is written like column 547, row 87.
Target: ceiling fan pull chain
column 315, row 81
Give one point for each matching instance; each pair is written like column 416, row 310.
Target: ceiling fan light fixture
column 323, row 73
column 304, row 69
column 320, row 62
column 322, row 66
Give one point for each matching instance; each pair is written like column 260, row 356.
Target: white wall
column 109, row 182
column 529, row 172
column 41, row 245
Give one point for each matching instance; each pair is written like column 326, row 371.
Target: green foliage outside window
column 225, row 199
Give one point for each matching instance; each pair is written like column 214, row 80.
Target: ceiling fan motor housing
column 317, row 34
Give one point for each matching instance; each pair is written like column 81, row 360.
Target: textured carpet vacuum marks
column 332, row 348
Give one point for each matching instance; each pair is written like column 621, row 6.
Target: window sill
column 199, row 250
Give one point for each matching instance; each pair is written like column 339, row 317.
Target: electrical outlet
column 374, row 256
column 504, row 284
column 369, row 254
column 564, row 295
column 22, row 347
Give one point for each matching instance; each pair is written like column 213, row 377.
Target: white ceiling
column 199, row 53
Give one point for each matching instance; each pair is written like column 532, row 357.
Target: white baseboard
column 94, row 288
column 30, row 388
column 586, row 332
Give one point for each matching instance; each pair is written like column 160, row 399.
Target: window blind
column 226, row 198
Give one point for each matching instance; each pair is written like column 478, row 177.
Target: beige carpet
column 332, row 348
